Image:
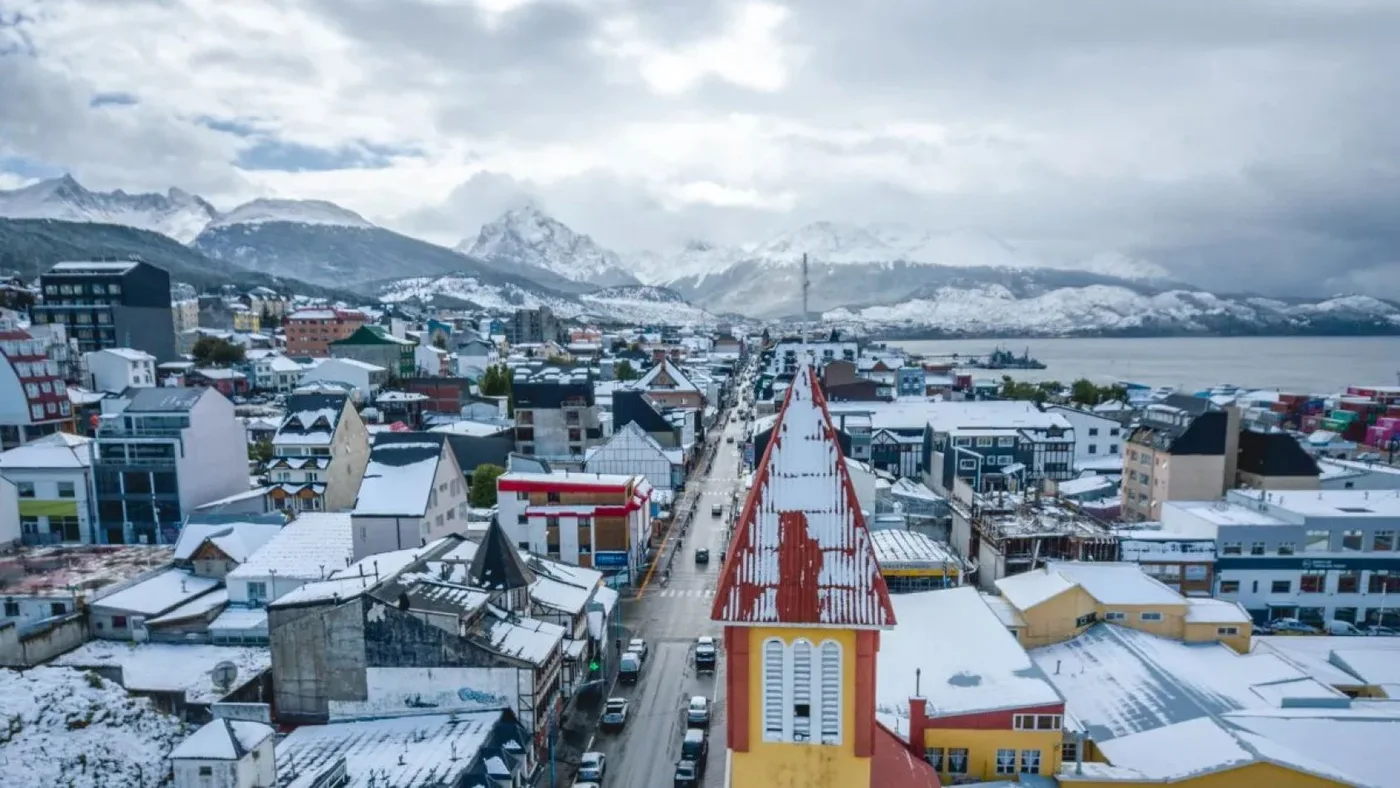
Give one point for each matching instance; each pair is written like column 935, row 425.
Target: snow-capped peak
column 528, row 236
column 177, row 213
column 263, row 210
column 826, row 242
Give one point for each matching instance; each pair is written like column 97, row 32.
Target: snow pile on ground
column 69, row 729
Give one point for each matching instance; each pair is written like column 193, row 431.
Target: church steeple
column 497, row 567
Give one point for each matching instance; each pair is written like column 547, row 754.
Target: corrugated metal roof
column 802, row 553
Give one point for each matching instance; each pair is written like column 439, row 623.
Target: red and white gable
column 801, row 553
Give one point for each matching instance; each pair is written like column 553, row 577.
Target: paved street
column 670, row 617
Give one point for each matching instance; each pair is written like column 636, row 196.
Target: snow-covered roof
column 240, row 620
column 422, row 751
column 801, row 551
column 527, row 639
column 564, row 477
column 1116, row 583
column 560, row 596
column 1087, row 484
column 170, row 667
column 1106, row 673
column 989, row 670
column 1318, row 656
column 357, row 578
column 236, row 540
column 198, row 606
column 897, row 548
column 57, row 451
column 128, row 354
column 308, row 548
column 474, row 428
column 1203, row 610
column 66, row 721
column 399, row 479
column 156, row 595
column 223, row 740
column 1029, row 589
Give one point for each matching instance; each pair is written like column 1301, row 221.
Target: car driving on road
column 705, row 654
column 702, row 555
column 614, row 714
column 592, row 766
column 639, row 646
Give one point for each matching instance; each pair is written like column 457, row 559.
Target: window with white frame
column 1114, row 615
column 1036, row 722
column 1151, row 616
column 802, row 686
column 1030, row 761
column 1006, row 761
column 967, row 465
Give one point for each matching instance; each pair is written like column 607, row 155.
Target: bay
column 1304, row 365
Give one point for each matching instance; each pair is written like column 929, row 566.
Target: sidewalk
column 578, row 723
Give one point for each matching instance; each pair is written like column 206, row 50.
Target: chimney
column 918, row 722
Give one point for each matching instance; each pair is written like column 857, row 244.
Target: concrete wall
column 349, row 458
column 318, row 654
column 1258, row 482
column 43, row 644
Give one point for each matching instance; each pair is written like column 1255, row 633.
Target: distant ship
column 1001, row 358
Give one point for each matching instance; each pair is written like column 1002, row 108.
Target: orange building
column 803, row 604
column 311, row 331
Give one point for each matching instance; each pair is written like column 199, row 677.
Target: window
column 1347, row 614
column 1229, row 586
column 1351, row 541
column 1256, row 548
column 1226, row 631
column 66, row 490
column 1230, row 548
column 1093, row 431
column 1383, row 541
column 1006, row 441
column 1030, row 761
column 1312, row 584
column 521, row 519
column 1150, row 616
column 1280, row 587
column 552, row 497
column 1112, row 448
column 1114, row 616
column 257, row 593
column 1006, row 761
column 11, row 609
column 522, row 496
column 1349, row 582
column 118, row 622
column 1093, row 448
column 1285, row 548
column 1383, row 583
column 1036, row 722
column 25, row 489
column 1086, row 619
column 831, row 693
column 1317, row 541
column 967, row 465
column 773, row 656
column 957, row 760
column 984, row 441
column 206, row 771
column 1069, row 752
column 934, row 756
column 802, row 691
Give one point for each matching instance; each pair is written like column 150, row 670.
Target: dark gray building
column 109, row 305
column 534, row 325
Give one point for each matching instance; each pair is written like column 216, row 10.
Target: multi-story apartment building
column 310, row 332
column 413, row 492
column 556, row 417
column 120, row 368
column 596, row 520
column 33, row 398
column 160, row 453
column 111, row 304
column 1317, row 556
column 1096, row 437
column 51, row 479
column 268, row 304
column 528, row 326
column 375, row 345
column 783, row 359
column 185, row 316
column 991, row 445
column 322, row 448
column 1184, row 449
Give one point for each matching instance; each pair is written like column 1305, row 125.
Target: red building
column 33, row 398
column 310, row 332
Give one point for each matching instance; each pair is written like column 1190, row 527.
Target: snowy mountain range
column 526, row 236
column 177, row 214
column 622, row 304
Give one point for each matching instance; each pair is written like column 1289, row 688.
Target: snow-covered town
column 384, row 545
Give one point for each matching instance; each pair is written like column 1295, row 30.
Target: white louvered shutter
column 773, row 652
column 831, row 693
column 801, row 691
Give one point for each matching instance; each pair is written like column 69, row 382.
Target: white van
column 1335, row 627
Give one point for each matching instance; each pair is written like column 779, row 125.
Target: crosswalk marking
column 675, row 593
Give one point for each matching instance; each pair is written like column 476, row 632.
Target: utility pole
column 806, row 289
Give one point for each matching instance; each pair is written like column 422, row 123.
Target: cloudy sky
column 1242, row 144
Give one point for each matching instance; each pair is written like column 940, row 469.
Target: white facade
column 1095, row 437
column 116, row 369
column 528, row 524
column 863, row 480
column 249, row 764
column 632, row 452
column 52, row 482
column 9, row 514
column 366, row 378
column 276, row 373
column 430, row 360
column 378, row 528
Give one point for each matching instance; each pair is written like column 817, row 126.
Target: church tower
column 802, row 602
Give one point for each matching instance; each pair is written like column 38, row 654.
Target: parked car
column 717, row 510
column 702, row 555
column 640, row 647
column 695, row 747
column 629, row 668
column 697, row 714
column 1335, row 627
column 586, row 785
column 614, row 714
column 1292, row 626
column 730, row 439
column 705, row 654
column 1376, row 630
column 592, row 766
column 687, row 775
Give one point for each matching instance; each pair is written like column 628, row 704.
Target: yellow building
column 803, row 606
column 912, row 561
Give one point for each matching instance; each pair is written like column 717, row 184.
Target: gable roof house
column 400, row 631
column 321, row 451
column 632, row 452
column 1275, row 461
column 666, row 383
column 673, row 428
column 413, row 492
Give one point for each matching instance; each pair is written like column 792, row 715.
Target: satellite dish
column 224, row 674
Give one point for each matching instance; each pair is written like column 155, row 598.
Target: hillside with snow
column 1114, row 310
column 176, row 214
column 310, row 212
column 629, row 304
column 527, row 238
column 66, row 728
